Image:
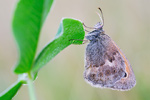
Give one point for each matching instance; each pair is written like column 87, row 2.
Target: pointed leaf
column 11, row 91
column 27, row 22
column 70, row 29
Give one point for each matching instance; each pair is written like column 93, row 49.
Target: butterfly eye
column 125, row 75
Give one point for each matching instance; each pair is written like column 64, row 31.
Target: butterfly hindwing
column 105, row 64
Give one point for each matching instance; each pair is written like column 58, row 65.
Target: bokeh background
column 127, row 22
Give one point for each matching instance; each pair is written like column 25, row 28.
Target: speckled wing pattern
column 106, row 66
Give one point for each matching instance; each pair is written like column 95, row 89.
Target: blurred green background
column 127, row 22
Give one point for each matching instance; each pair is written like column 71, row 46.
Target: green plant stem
column 31, row 87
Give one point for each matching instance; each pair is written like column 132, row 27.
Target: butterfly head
column 99, row 26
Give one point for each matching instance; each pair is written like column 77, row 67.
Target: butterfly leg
column 84, row 41
column 88, row 27
column 86, row 30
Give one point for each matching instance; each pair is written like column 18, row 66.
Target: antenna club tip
column 100, row 9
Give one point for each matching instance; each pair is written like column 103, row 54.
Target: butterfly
column 105, row 64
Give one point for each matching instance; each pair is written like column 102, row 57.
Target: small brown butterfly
column 105, row 64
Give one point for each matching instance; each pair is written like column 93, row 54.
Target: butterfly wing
column 105, row 64
column 129, row 81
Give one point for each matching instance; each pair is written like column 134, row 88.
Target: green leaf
column 11, row 91
column 69, row 32
column 27, row 22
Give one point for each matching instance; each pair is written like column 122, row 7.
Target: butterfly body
column 105, row 64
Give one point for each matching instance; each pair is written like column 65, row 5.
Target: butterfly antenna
column 101, row 17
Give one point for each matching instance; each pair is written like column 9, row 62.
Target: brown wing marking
column 127, row 68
